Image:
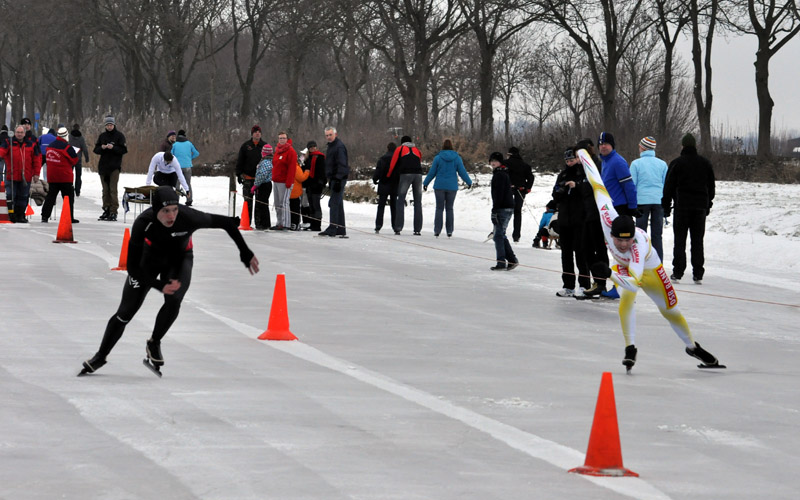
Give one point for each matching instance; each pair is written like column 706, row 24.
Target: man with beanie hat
column 636, row 267
column 522, row 178
column 160, row 256
column 648, row 173
column 246, row 163
column 691, row 185
column 111, row 147
column 617, row 176
column 61, row 157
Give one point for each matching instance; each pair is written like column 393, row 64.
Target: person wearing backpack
column 406, row 164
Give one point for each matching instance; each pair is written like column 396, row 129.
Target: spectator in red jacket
column 284, row 163
column 61, row 157
column 23, row 165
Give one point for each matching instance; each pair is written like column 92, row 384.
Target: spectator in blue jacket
column 447, row 167
column 184, row 151
column 617, row 176
column 648, row 174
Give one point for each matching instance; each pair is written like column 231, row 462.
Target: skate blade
column 710, row 367
column 83, row 373
column 152, row 367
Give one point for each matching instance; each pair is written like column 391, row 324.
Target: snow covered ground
column 418, row 374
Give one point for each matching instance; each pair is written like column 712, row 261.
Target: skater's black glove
column 424, row 188
column 336, row 185
column 246, row 256
column 667, row 212
column 601, row 270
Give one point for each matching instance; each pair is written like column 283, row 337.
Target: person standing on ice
column 638, row 267
column 160, row 256
column 502, row 211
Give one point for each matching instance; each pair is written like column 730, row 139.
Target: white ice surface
column 419, row 373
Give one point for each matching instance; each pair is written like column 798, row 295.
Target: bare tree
column 623, row 21
column 250, row 17
column 513, row 70
column 569, row 76
column 493, row 23
column 413, row 36
column 669, row 13
column 774, row 23
column 703, row 19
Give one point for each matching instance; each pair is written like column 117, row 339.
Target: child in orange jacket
column 297, row 192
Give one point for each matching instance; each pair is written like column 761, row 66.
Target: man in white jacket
column 165, row 170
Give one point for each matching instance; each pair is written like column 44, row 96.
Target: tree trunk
column 765, row 103
column 664, row 94
column 507, row 120
column 486, row 83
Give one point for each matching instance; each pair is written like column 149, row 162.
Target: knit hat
column 405, row 138
column 623, row 227
column 311, row 144
column 63, row 132
column 109, row 119
column 607, row 138
column 552, row 205
column 4, row 128
column 688, row 141
column 648, row 142
column 496, row 156
column 513, row 151
column 182, row 132
column 255, row 129
column 25, row 121
column 266, row 151
column 164, row 197
column 171, row 132
column 569, row 154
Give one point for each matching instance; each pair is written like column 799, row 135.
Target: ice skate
column 154, row 352
column 630, row 357
column 92, row 365
column 708, row 359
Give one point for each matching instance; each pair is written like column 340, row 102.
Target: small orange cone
column 278, row 327
column 64, row 234
column 245, row 225
column 604, row 456
column 123, row 254
column 29, row 211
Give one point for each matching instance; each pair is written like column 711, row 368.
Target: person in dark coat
column 522, row 178
column 337, row 169
column 594, row 242
column 111, row 147
column 571, row 220
column 161, row 257
column 315, row 165
column 246, row 162
column 502, row 211
column 691, row 185
column 77, row 141
column 385, row 187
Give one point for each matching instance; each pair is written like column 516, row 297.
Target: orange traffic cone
column 29, row 211
column 278, row 327
column 64, row 234
column 604, row 456
column 245, row 225
column 123, row 254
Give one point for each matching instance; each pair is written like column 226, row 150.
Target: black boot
column 537, row 242
column 104, row 216
column 706, row 357
column 630, row 357
column 91, row 365
column 154, row 352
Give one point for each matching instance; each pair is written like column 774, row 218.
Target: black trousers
column 133, row 295
column 382, row 196
column 693, row 222
column 594, row 244
column 571, row 240
column 78, row 169
column 314, row 210
column 66, row 190
column 519, row 202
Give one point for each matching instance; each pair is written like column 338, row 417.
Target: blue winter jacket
column 546, row 217
column 446, row 166
column 185, row 152
column 617, row 179
column 648, row 174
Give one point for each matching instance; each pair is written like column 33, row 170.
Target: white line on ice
column 551, row 452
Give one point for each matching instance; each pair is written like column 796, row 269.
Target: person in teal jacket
column 648, row 174
column 447, row 167
column 185, row 152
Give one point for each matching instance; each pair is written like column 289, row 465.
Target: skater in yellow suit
column 637, row 265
